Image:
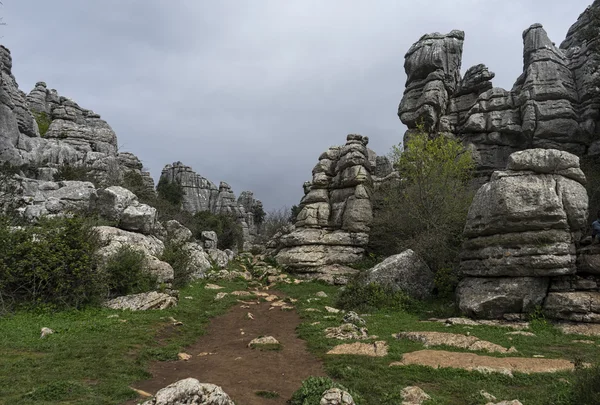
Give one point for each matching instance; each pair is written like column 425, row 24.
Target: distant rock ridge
column 71, row 135
column 200, row 194
column 553, row 104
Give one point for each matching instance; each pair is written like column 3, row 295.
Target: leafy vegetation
column 176, row 255
column 427, row 209
column 360, row 297
column 126, row 272
column 312, row 390
column 43, row 121
column 49, row 265
column 229, row 232
column 73, row 173
column 170, row 191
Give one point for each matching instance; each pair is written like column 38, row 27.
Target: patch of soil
column 471, row 361
column 222, row 357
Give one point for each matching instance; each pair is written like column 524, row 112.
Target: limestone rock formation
column 200, row 194
column 333, row 224
column 45, row 131
column 406, row 272
column 336, row 396
column 553, row 104
column 521, row 230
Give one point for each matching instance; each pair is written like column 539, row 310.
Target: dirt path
column 239, row 370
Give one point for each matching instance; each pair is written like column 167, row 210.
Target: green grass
column 380, row 384
column 91, row 358
column 267, row 394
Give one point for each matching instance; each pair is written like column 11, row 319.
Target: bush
column 312, row 390
column 274, row 222
column 426, row 211
column 73, row 173
column 43, row 120
column 586, row 386
column 360, row 297
column 170, row 191
column 134, row 182
column 49, row 265
column 229, row 232
column 126, row 273
column 176, row 255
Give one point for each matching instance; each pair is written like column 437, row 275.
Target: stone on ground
column 213, row 287
column 471, row 361
column 142, row 301
column 353, row 318
column 348, row 331
column 190, row 392
column 413, row 396
column 265, row 340
column 586, row 329
column 335, row 396
column 453, row 339
column 377, row 349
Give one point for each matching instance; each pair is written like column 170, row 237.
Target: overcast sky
column 252, row 91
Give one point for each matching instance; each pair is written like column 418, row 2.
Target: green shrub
column 73, row 173
column 312, row 390
column 229, row 232
column 446, row 280
column 43, row 120
column 134, row 182
column 586, row 386
column 170, row 191
column 360, row 297
column 50, row 265
column 176, row 255
column 127, row 274
column 427, row 210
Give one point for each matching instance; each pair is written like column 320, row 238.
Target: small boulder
column 335, row 396
column 405, row 272
column 142, row 302
column 190, row 391
column 414, row 396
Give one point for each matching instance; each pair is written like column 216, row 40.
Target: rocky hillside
column 553, row 104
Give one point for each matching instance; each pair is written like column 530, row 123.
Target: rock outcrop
column 200, row 194
column 553, row 104
column 522, row 229
column 333, row 224
column 332, row 227
column 44, row 131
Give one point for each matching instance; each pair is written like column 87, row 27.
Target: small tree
column 427, row 210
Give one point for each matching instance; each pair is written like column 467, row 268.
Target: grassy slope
column 380, row 384
column 92, row 359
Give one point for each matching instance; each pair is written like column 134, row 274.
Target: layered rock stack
column 333, row 225
column 73, row 135
column 553, row 104
column 522, row 229
column 200, row 194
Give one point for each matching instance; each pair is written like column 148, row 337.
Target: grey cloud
column 251, row 92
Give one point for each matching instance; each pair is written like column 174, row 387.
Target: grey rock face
column 552, row 105
column 406, row 272
column 522, row 229
column 75, row 136
column 200, row 194
column 190, row 391
column 333, row 224
column 177, row 232
column 492, row 297
column 336, row 396
column 118, row 204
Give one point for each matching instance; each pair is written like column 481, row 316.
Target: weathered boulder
column 494, row 297
column 177, row 233
column 142, row 301
column 209, row 239
column 579, row 306
column 199, row 260
column 112, row 239
column 190, row 392
column 405, row 272
column 336, row 396
column 524, row 223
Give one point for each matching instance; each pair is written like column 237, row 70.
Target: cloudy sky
column 252, row 91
